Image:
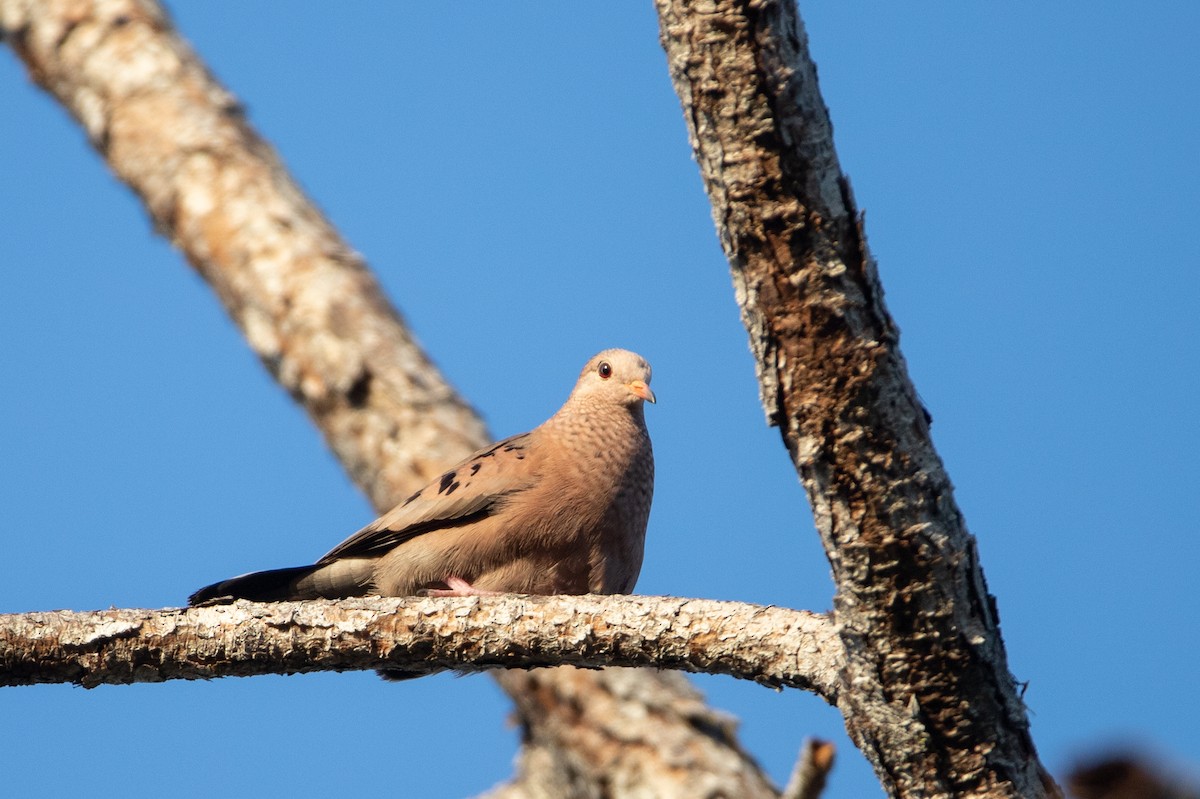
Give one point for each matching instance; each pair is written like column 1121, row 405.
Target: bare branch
column 933, row 705
column 811, row 771
column 307, row 304
column 773, row 646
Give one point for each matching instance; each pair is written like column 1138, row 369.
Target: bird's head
column 617, row 376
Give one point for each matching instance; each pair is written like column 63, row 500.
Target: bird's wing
column 471, row 490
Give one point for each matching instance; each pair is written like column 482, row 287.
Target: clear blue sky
column 520, row 179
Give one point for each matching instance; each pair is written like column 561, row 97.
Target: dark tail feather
column 275, row 585
column 333, row 580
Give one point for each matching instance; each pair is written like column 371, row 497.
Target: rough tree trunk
column 313, row 313
column 927, row 693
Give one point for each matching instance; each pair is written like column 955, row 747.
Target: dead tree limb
column 932, row 705
column 773, row 646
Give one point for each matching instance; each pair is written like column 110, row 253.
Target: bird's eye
column 604, row 370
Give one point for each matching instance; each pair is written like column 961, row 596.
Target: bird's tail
column 333, row 580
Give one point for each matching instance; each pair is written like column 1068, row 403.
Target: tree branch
column 773, row 646
column 811, row 771
column 933, row 705
column 307, row 303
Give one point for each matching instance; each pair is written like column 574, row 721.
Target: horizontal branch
column 770, row 645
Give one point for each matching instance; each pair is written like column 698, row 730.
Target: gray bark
column 928, row 697
column 773, row 646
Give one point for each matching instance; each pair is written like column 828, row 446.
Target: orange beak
column 640, row 389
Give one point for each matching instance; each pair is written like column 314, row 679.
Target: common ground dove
column 561, row 509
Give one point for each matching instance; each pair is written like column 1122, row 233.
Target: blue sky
column 520, row 180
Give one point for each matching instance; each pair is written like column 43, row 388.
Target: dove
column 561, row 509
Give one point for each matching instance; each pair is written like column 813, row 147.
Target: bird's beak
column 640, row 389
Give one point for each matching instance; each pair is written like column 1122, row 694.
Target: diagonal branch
column 811, row 772
column 773, row 646
column 934, row 706
column 306, row 302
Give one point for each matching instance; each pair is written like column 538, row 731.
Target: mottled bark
column 928, row 696
column 773, row 646
column 306, row 302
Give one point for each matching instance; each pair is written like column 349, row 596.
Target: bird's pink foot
column 456, row 586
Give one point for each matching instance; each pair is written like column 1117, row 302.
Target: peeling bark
column 928, row 698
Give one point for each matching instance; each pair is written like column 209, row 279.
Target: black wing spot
column 413, row 497
column 359, row 391
column 475, row 468
column 448, row 483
